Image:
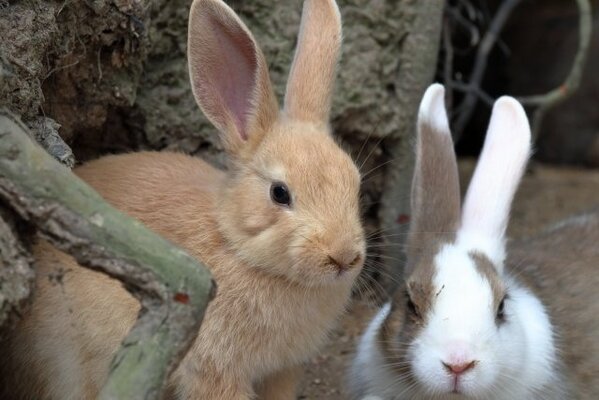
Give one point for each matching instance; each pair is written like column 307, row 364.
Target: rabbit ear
column 500, row 167
column 435, row 188
column 229, row 74
column 312, row 76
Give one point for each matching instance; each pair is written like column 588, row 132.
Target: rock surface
column 111, row 76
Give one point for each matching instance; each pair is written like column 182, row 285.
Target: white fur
column 577, row 221
column 540, row 355
column 368, row 375
column 515, row 359
column 494, row 183
column 432, row 108
column 493, row 247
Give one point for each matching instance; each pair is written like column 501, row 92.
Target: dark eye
column 279, row 193
column 412, row 308
column 501, row 310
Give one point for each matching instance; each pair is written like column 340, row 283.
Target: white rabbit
column 472, row 320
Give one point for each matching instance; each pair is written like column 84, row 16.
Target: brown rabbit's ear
column 312, row 76
column 229, row 75
column 435, row 188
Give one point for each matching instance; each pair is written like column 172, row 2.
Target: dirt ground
column 546, row 195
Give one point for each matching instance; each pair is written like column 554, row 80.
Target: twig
column 448, row 61
column 462, row 87
column 173, row 288
column 480, row 65
column 99, row 63
column 572, row 82
column 56, row 69
column 465, row 23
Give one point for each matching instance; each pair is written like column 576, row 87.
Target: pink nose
column 459, row 368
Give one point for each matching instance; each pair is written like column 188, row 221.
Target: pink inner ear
column 234, row 73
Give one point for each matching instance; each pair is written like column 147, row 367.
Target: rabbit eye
column 412, row 308
column 279, row 193
column 501, row 310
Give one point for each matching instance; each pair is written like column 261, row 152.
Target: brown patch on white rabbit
column 488, row 271
column 284, row 260
column 435, row 191
column 410, row 307
column 397, row 331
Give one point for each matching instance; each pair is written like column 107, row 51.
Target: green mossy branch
column 173, row 288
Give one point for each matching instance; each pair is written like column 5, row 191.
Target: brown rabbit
column 280, row 230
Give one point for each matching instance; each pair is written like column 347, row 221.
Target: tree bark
column 419, row 55
column 16, row 272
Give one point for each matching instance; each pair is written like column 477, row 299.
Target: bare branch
column 545, row 101
column 448, row 60
column 173, row 288
column 480, row 65
column 572, row 81
column 477, row 91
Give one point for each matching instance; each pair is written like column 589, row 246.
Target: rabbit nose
column 458, row 368
column 345, row 260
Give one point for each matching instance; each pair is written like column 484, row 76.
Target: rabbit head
column 290, row 202
column 453, row 326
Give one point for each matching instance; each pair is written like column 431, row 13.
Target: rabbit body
column 561, row 267
column 280, row 230
column 474, row 318
column 254, row 328
column 563, row 259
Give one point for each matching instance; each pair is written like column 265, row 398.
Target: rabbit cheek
column 399, row 334
column 258, row 220
column 247, row 209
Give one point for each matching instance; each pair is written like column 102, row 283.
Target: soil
column 546, row 195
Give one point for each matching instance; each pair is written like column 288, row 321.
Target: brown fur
column 278, row 268
column 396, row 332
column 488, row 271
column 314, row 58
column 207, row 19
column 401, row 328
column 435, row 192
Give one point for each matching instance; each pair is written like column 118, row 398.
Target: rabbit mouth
column 340, row 270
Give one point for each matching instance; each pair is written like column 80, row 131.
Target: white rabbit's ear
column 497, row 176
column 435, row 188
column 312, row 75
column 229, row 74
